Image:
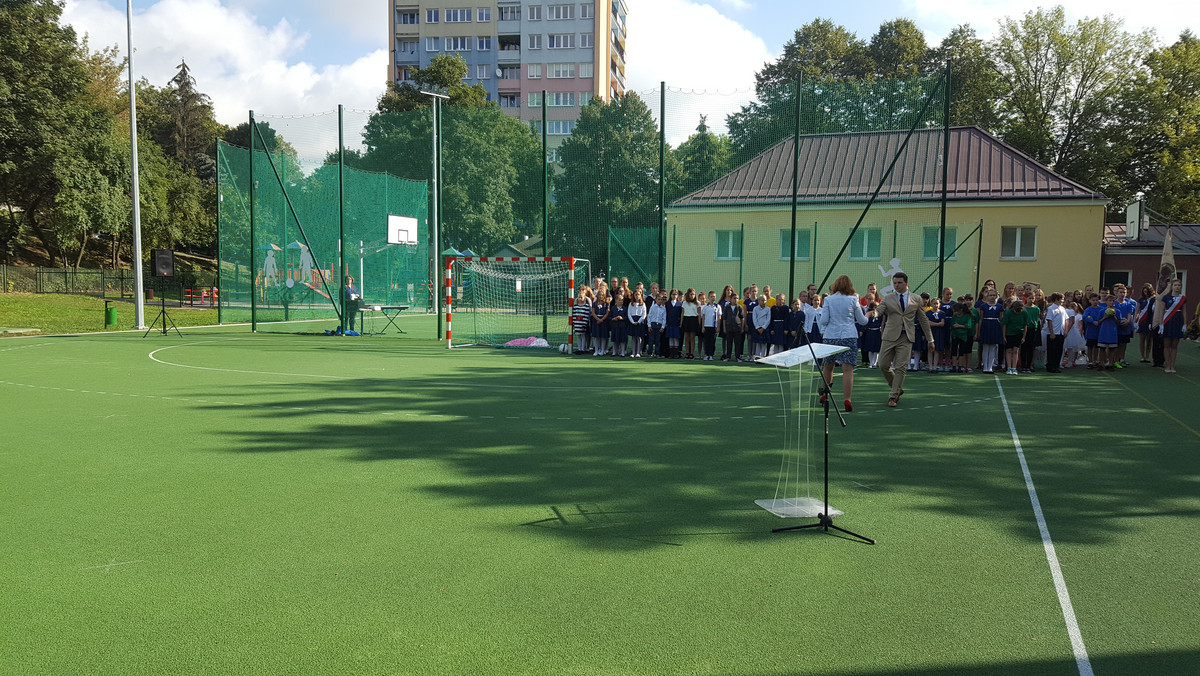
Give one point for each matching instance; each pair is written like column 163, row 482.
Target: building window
column 585, row 69
column 560, row 70
column 536, row 125
column 560, row 12
column 931, row 249
column 552, row 155
column 458, row 44
column 431, row 16
column 535, row 12
column 407, row 47
column 587, row 11
column 1110, row 277
column 587, row 40
column 535, row 99
column 803, row 244
column 458, row 16
column 866, row 244
column 560, row 127
column 484, row 14
column 432, row 44
column 408, row 18
column 535, row 71
column 510, row 13
column 1018, row 243
column 561, row 99
column 729, row 245
column 585, row 98
column 510, row 100
column 535, row 41
column 483, row 72
column 562, row 41
column 483, row 43
column 510, row 72
column 406, row 75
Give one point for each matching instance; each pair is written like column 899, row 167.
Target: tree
column 820, row 50
column 704, row 157
column 609, row 176
column 974, row 81
column 1056, row 82
column 444, row 74
column 898, row 50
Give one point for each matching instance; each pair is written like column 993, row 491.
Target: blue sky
column 306, row 56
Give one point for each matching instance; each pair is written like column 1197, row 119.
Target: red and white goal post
column 499, row 300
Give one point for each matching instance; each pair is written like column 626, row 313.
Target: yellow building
column 1007, row 217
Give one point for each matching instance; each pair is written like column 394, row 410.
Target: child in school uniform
column 748, row 304
column 1092, row 316
column 1074, row 344
column 872, row 335
column 779, row 324
column 691, row 322
column 762, row 327
column 960, row 344
column 600, row 312
column 990, row 332
column 795, row 327
column 618, row 315
column 656, row 319
column 637, row 321
column 581, row 315
column 674, row 324
column 1015, row 322
column 938, row 323
column 811, row 314
column 710, row 316
column 733, row 321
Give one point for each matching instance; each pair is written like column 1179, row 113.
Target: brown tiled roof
column 848, row 167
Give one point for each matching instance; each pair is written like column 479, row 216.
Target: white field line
column 1060, row 584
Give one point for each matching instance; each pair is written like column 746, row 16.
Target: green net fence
column 687, row 189
column 296, row 225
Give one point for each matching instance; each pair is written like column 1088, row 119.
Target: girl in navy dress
column 942, row 339
column 795, row 327
column 618, row 325
column 989, row 332
column 779, row 324
column 600, row 312
column 814, row 330
column 1142, row 319
column 1172, row 328
column 872, row 335
column 674, row 324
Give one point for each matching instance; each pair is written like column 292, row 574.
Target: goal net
column 510, row 302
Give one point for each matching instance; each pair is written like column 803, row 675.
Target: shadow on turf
column 1156, row 662
column 548, row 438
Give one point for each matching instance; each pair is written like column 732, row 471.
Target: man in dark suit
column 899, row 310
column 351, row 301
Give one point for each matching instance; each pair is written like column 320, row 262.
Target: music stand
column 808, row 506
column 164, row 318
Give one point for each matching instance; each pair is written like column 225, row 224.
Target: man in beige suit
column 898, row 311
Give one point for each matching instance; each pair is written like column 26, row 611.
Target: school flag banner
column 1166, row 273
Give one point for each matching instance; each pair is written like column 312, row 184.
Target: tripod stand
column 164, row 318
column 824, row 518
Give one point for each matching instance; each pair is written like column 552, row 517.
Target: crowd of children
column 1011, row 329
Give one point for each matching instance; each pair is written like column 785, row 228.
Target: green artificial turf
column 229, row 502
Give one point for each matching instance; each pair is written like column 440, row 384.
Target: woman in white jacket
column 839, row 319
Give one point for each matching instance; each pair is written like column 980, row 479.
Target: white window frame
column 433, row 44
column 552, row 155
column 585, row 98
column 483, row 43
column 431, row 16
column 535, row 99
column 866, row 234
column 560, row 41
column 560, row 127
column 587, row 69
column 587, row 10
column 508, row 13
column 587, row 40
column 483, row 72
column 729, row 252
column 458, row 15
column 560, row 12
column 414, row 16
column 483, row 15
column 535, row 41
column 803, row 236
column 560, row 71
column 458, row 43
column 412, row 49
column 935, row 232
column 561, row 99
column 1020, row 234
column 534, row 71
column 535, row 12
column 510, row 72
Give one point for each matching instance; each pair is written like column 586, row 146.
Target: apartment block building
column 517, row 49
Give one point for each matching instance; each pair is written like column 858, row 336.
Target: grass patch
column 54, row 313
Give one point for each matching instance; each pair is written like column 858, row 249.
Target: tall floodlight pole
column 139, row 300
column 434, row 222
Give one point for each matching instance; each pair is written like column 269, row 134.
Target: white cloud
column 707, row 60
column 1167, row 17
column 242, row 64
